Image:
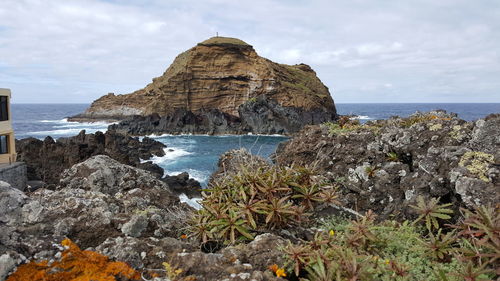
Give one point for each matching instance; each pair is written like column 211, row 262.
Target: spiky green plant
column 257, row 198
column 431, row 211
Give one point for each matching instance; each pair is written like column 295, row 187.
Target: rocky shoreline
column 110, row 204
column 259, row 116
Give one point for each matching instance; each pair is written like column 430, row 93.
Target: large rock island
column 220, row 86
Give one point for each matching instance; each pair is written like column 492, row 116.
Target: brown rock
column 219, row 73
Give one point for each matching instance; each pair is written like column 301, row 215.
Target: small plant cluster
column 420, row 118
column 364, row 249
column 346, row 124
column 258, row 198
column 75, row 264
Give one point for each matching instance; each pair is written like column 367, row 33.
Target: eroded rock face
column 386, row 165
column 47, row 159
column 222, row 74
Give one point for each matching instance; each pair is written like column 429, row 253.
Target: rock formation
column 385, row 165
column 47, row 159
column 223, row 80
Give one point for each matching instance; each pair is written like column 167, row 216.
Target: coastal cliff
column 224, row 76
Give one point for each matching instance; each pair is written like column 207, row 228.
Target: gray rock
column 135, row 226
column 11, row 202
column 8, row 263
column 104, row 174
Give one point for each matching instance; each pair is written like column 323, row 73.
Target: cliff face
column 222, row 74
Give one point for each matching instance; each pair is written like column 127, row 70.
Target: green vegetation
column 393, row 157
column 364, row 249
column 224, row 40
column 420, row 118
column 257, row 199
column 263, row 198
column 344, row 125
column 477, row 163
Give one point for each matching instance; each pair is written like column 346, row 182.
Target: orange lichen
column 75, row 265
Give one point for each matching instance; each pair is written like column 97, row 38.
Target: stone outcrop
column 47, row 159
column 385, row 165
column 97, row 200
column 224, row 80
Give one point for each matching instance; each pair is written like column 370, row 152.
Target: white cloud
column 76, row 51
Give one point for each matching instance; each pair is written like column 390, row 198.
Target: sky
column 435, row 51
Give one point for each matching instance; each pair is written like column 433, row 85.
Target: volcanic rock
column 385, row 165
column 220, row 81
column 89, row 208
column 47, row 159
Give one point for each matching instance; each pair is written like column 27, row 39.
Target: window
column 4, row 108
column 4, row 144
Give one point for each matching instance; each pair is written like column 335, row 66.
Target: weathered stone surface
column 103, row 174
column 436, row 155
column 47, row 159
column 14, row 174
column 89, row 207
column 223, row 74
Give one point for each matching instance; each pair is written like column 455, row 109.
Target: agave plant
column 229, row 226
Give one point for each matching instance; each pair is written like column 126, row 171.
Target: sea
column 198, row 154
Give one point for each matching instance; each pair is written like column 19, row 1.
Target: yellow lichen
column 477, row 163
column 435, row 127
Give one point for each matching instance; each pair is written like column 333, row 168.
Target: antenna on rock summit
column 217, row 34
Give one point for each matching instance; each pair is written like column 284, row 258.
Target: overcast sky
column 364, row 51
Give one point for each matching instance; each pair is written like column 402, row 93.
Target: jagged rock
column 89, row 207
column 47, row 159
column 103, row 174
column 259, row 116
column 181, row 183
column 434, row 155
column 208, row 88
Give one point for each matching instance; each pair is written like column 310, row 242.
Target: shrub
column 368, row 250
column 258, row 199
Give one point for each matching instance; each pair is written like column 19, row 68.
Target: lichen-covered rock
column 385, row 165
column 241, row 262
column 98, row 199
column 106, row 175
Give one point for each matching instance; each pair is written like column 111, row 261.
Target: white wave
column 193, row 202
column 362, row 117
column 171, row 153
column 65, row 132
column 55, row 121
column 200, row 176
